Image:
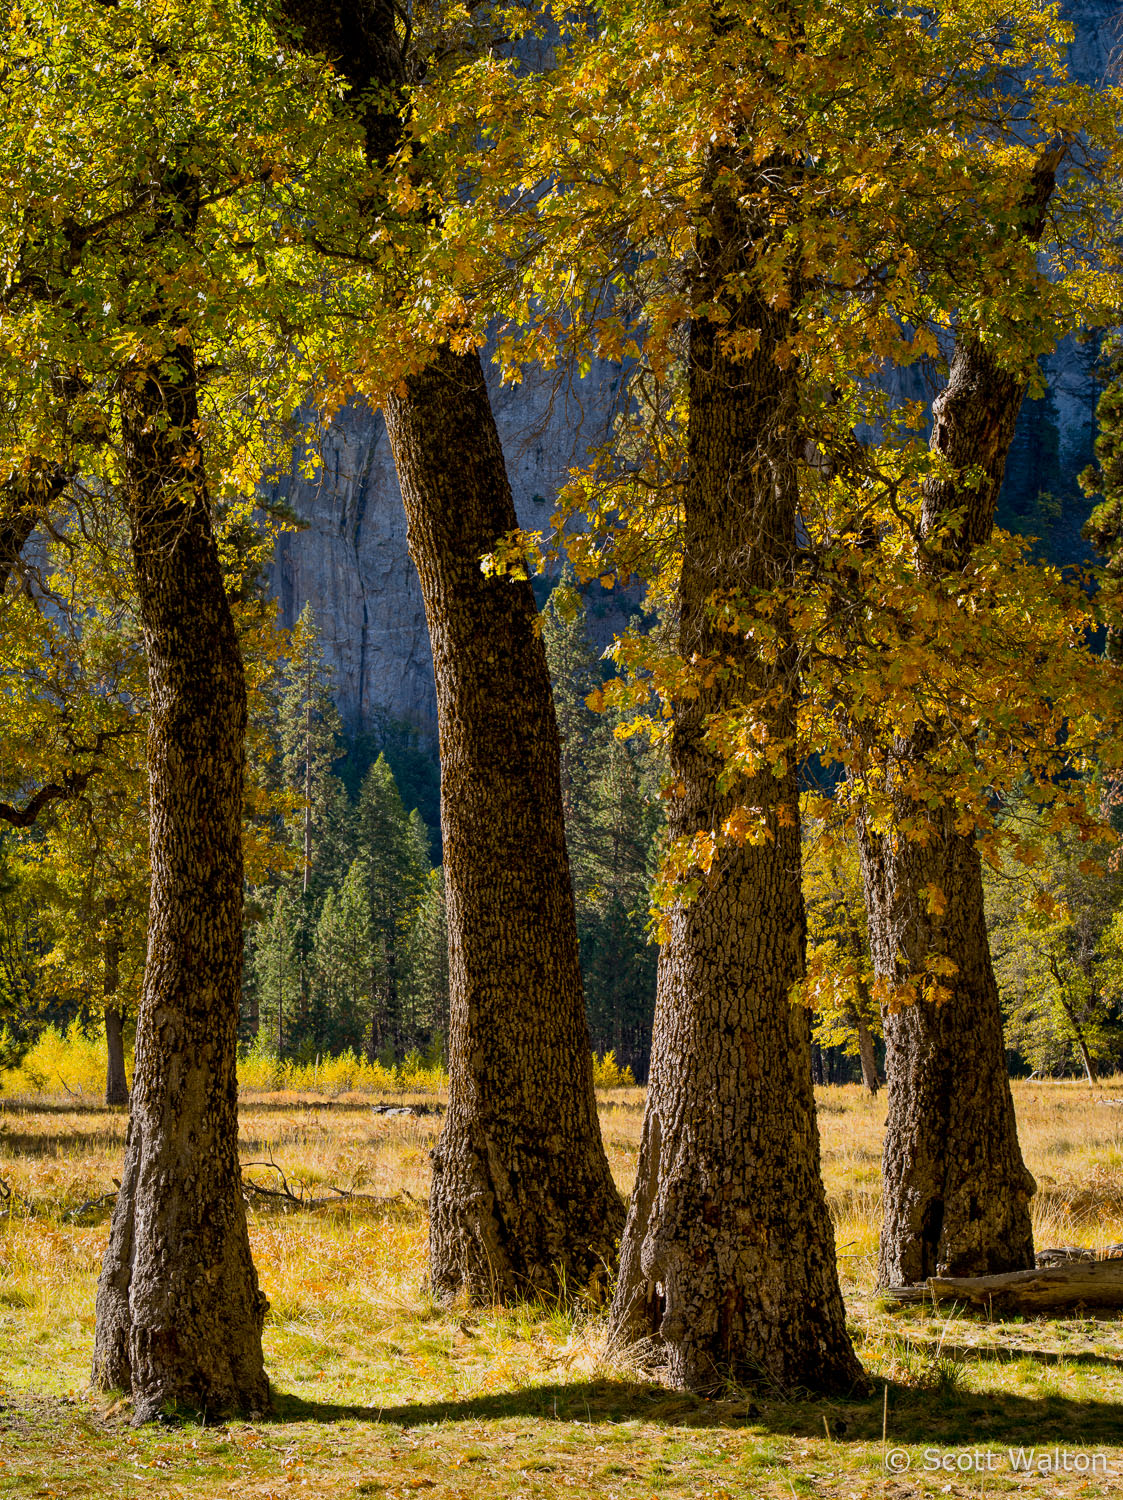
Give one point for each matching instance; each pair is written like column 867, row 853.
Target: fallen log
column 1046, row 1289
column 405, row 1109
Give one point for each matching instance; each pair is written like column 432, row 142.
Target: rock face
column 351, row 562
column 1095, row 52
column 1053, row 441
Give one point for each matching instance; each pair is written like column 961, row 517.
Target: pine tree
column 342, row 963
column 393, row 858
column 612, row 820
column 277, row 972
column 308, row 724
column 428, row 969
column 1056, row 932
column 584, row 735
column 619, row 960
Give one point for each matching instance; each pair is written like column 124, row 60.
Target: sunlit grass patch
column 380, row 1390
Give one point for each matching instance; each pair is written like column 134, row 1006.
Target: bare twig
column 299, row 1199
column 90, row 1206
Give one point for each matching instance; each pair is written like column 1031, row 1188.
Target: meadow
column 380, row 1391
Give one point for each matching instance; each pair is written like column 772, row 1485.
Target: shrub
column 608, row 1074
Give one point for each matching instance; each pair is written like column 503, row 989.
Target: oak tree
column 523, row 1200
column 142, row 251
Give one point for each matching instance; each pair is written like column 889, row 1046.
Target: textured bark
column 523, row 1200
column 956, row 1189
column 866, row 1055
column 728, row 1260
column 179, row 1313
column 116, row 1084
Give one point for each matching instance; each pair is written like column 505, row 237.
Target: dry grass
column 382, row 1392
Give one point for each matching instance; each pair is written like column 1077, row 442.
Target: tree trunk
column 728, row 1259
column 523, row 1200
column 818, row 1072
column 116, row 1084
column 1077, row 1031
column 179, row 1313
column 956, row 1189
column 866, row 1055
column 1039, row 1291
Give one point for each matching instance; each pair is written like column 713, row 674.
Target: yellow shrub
column 62, row 1062
column 348, row 1073
column 608, row 1074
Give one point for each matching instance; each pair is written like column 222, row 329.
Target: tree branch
column 73, row 782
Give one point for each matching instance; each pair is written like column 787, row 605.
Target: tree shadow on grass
column 79, row 1104
column 90, row 1104
column 947, row 1420
column 61, row 1142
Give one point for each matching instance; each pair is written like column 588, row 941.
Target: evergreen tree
column 393, row 858
column 1056, row 932
column 428, row 995
column 277, row 972
column 619, row 961
column 584, row 735
column 342, row 964
column 611, row 823
column 308, row 724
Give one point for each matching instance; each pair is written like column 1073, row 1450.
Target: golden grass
column 383, row 1392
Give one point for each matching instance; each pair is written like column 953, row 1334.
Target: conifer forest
column 561, row 794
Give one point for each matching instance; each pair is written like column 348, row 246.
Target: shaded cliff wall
column 351, row 563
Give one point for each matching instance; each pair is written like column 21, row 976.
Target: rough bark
column 523, row 1200
column 728, row 1260
column 116, row 1084
column 179, row 1313
column 956, row 1189
column 867, row 1057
